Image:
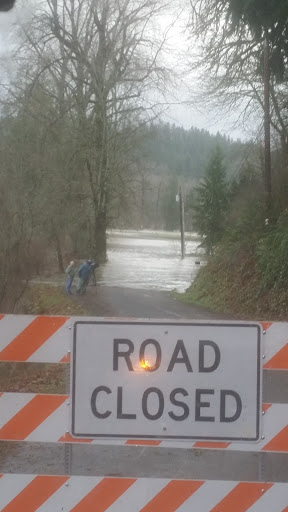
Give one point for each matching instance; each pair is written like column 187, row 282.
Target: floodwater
column 150, row 260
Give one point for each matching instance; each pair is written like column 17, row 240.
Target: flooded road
column 150, row 260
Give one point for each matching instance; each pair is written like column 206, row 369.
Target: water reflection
column 150, row 260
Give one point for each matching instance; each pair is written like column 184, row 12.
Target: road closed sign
column 166, row 381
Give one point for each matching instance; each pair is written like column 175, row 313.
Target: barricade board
column 78, row 494
column 46, row 418
column 48, row 339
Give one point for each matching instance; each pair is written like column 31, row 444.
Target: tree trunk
column 100, row 242
column 284, row 150
column 59, row 254
column 267, row 161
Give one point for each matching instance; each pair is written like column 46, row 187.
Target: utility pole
column 182, row 229
column 267, row 140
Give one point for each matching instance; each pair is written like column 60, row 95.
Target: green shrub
column 272, row 255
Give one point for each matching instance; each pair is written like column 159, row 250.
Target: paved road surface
column 129, row 302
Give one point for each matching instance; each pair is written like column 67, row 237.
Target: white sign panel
column 166, row 381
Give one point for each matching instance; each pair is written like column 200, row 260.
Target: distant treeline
column 166, row 157
column 173, row 150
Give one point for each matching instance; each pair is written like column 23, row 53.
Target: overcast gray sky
column 186, row 115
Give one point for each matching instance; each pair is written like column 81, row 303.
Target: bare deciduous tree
column 98, row 63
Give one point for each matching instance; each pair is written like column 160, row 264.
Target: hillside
column 170, row 149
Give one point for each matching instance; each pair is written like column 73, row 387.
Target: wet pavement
column 137, row 303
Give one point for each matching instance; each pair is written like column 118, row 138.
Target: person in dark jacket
column 83, row 274
column 92, row 276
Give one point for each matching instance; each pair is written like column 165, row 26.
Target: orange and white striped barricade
column 47, row 339
column 46, row 418
column 32, row 493
column 40, row 418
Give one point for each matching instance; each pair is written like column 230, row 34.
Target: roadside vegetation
column 247, row 269
column 244, row 221
column 247, row 265
column 232, row 283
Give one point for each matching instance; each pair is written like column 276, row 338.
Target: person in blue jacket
column 84, row 273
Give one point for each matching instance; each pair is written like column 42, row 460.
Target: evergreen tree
column 264, row 19
column 211, row 202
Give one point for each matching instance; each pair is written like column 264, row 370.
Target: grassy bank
column 233, row 287
column 42, row 299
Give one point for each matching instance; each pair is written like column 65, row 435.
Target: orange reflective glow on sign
column 145, row 364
